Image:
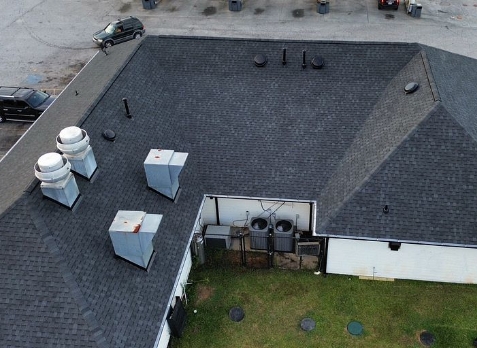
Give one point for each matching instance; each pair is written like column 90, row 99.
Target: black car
column 394, row 4
column 123, row 29
column 22, row 104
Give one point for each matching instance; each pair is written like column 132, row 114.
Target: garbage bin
column 235, row 5
column 418, row 10
column 327, row 6
column 321, row 6
column 149, row 4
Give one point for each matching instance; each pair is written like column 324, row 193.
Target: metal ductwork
column 162, row 171
column 57, row 181
column 131, row 233
column 74, row 143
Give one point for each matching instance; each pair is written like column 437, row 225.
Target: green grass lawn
column 393, row 314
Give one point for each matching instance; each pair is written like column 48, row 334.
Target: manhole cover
column 427, row 338
column 307, row 324
column 236, row 314
column 355, row 328
column 389, row 16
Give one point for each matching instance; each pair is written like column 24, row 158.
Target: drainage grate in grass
column 355, row 328
column 427, row 338
column 307, row 324
column 236, row 314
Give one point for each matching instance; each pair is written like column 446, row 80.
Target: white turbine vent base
column 71, row 135
column 50, row 162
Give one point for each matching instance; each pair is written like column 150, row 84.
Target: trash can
column 418, row 10
column 149, row 4
column 235, row 5
column 327, row 6
column 321, row 6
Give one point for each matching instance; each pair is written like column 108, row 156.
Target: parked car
column 394, row 4
column 123, row 29
column 23, row 104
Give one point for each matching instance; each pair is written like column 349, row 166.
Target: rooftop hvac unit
column 162, row 171
column 131, row 233
column 258, row 233
column 306, row 248
column 74, row 143
column 57, row 182
column 284, row 235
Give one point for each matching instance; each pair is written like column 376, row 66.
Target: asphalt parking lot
column 45, row 43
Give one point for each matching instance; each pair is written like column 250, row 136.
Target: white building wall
column 411, row 261
column 233, row 211
column 162, row 340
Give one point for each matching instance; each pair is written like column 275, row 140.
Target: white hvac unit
column 57, row 182
column 162, row 171
column 74, row 143
column 131, row 233
column 283, row 235
column 218, row 236
column 258, row 233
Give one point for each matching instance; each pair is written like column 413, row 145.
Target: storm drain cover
column 307, row 324
column 236, row 314
column 427, row 338
column 355, row 328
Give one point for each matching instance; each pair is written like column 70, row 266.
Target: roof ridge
column 372, row 173
column 49, row 240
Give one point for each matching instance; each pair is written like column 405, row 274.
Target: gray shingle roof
column 345, row 135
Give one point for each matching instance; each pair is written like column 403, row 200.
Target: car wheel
column 2, row 119
column 108, row 44
column 137, row 35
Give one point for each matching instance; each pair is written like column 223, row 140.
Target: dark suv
column 394, row 4
column 22, row 104
column 118, row 31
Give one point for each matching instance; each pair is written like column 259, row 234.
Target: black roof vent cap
column 317, row 62
column 260, row 60
column 110, row 135
column 411, row 87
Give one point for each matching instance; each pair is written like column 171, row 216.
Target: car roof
column 15, row 91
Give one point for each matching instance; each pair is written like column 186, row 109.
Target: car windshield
column 37, row 98
column 110, row 28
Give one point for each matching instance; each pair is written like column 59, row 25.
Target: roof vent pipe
column 303, row 64
column 74, row 143
column 57, row 182
column 284, row 56
column 162, row 171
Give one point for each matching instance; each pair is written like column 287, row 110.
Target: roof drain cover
column 355, row 328
column 317, row 62
column 260, row 60
column 427, row 338
column 108, row 134
column 307, row 324
column 411, row 87
column 236, row 314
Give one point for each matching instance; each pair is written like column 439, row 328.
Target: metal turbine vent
column 74, row 143
column 57, row 182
